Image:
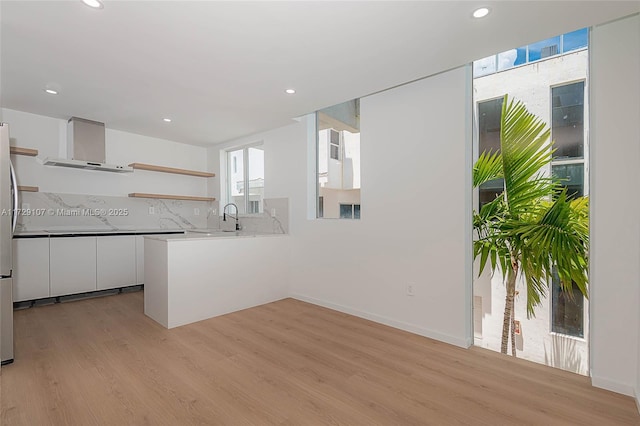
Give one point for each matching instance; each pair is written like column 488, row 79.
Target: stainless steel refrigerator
column 8, row 219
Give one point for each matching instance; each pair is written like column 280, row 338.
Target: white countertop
column 79, row 231
column 215, row 234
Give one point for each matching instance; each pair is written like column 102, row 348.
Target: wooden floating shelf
column 152, row 168
column 170, row 197
column 23, row 151
column 28, row 188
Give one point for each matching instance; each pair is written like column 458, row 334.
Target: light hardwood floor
column 102, row 362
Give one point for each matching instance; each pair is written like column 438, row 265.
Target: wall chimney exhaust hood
column 85, row 148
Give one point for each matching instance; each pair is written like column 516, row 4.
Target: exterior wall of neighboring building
column 532, row 84
column 338, row 179
column 332, row 198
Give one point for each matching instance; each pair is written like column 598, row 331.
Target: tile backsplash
column 53, row 211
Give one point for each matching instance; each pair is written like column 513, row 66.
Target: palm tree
column 532, row 228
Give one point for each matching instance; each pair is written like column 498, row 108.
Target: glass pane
column 346, row 211
column 335, row 137
column 572, row 176
column 575, row 40
column 567, row 120
column 488, row 191
column 256, row 179
column 567, row 309
column 489, row 113
column 522, row 56
column 235, row 179
column 484, row 66
column 335, row 152
column 544, row 48
column 356, row 211
column 507, row 59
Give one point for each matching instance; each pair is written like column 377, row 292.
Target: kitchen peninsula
column 196, row 276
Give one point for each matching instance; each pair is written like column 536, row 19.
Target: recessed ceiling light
column 481, row 12
column 290, row 91
column 166, row 120
column 51, row 88
column 96, row 4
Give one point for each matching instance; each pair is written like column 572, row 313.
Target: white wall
column 615, row 224
column 415, row 190
column 415, row 202
column 279, row 147
column 48, row 135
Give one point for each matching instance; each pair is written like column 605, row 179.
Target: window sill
column 568, row 336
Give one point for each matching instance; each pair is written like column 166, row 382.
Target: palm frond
column 558, row 239
column 524, row 152
column 488, row 167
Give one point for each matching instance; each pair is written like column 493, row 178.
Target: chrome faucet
column 224, row 215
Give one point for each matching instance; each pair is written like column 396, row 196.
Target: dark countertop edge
column 44, row 234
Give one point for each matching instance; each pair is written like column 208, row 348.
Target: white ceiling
column 219, row 69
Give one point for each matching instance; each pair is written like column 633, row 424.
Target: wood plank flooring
column 102, row 362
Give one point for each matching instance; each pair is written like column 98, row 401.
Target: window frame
column 565, row 161
column 246, row 166
column 353, row 210
column 337, row 145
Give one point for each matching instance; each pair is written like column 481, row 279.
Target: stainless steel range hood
column 88, row 165
column 85, row 148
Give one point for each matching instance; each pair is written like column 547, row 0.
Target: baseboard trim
column 452, row 340
column 617, row 387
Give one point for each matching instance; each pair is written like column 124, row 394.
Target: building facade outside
column 245, row 179
column 339, row 161
column 550, row 77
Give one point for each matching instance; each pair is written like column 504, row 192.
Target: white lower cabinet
column 59, row 266
column 30, row 268
column 73, row 265
column 116, row 262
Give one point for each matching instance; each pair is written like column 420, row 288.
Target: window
column 334, row 144
column 567, row 120
column 567, row 309
column 568, row 134
column 561, row 44
column 338, row 157
column 572, row 177
column 245, row 179
column 489, row 113
column 349, row 211
column 551, row 78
